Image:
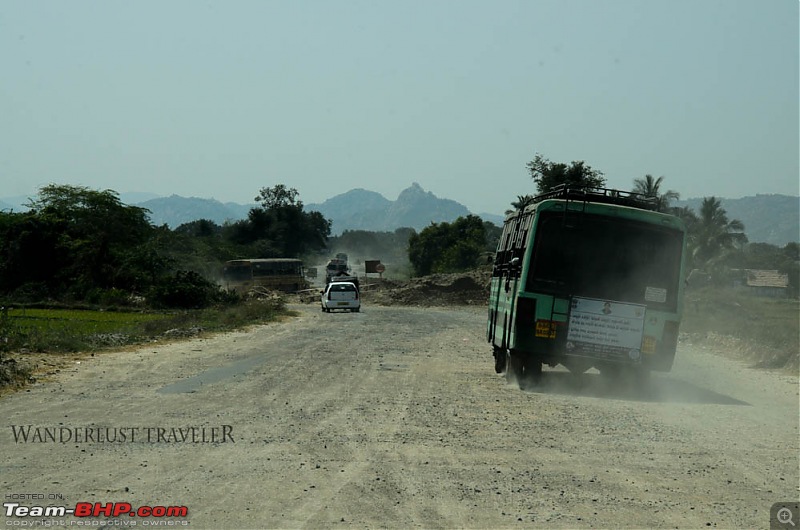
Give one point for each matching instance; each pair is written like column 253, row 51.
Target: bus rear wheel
column 499, row 360
column 524, row 370
column 533, row 371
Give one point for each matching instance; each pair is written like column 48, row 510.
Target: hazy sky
column 220, row 98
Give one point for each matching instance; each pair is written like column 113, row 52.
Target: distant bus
column 277, row 274
column 586, row 278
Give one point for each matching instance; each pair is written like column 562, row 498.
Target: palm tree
column 651, row 187
column 521, row 202
column 714, row 233
column 687, row 215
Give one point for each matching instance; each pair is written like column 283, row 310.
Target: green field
column 77, row 321
column 69, row 330
column 57, row 330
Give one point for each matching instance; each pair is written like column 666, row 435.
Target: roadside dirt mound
column 468, row 288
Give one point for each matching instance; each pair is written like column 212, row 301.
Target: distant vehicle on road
column 341, row 295
column 338, row 270
column 336, row 267
column 279, row 274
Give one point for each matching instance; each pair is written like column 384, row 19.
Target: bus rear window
column 606, row 258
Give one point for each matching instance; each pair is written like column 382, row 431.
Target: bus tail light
column 669, row 341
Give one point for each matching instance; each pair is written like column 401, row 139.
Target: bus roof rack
column 602, row 195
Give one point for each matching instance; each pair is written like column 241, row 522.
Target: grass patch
column 59, row 330
column 218, row 319
column 764, row 330
column 68, row 330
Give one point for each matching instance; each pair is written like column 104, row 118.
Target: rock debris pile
column 469, row 288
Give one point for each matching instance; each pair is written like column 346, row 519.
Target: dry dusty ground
column 394, row 418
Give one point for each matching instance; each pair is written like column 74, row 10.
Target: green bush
column 108, row 297
column 30, row 292
column 184, row 290
column 447, row 247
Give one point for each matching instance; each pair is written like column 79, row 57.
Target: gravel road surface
column 394, row 418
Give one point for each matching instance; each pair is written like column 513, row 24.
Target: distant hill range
column 176, row 210
column 771, row 219
column 360, row 209
column 767, row 218
column 357, row 209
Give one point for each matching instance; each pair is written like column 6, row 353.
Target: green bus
column 586, row 277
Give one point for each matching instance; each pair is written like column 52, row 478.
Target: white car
column 341, row 295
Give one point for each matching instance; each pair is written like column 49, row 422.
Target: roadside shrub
column 108, row 297
column 184, row 290
column 11, row 373
column 9, row 332
column 250, row 312
column 54, row 341
column 30, row 292
column 226, row 297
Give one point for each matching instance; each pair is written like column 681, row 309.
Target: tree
column 280, row 227
column 713, row 233
column 792, row 251
column 521, row 202
column 791, row 266
column 493, row 234
column 27, row 252
column 651, row 187
column 278, row 196
column 448, row 247
column 96, row 232
column 578, row 174
column 687, row 215
column 199, row 228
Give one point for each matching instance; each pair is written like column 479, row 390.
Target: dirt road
column 394, row 417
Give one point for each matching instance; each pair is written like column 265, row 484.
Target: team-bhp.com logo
column 96, row 509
